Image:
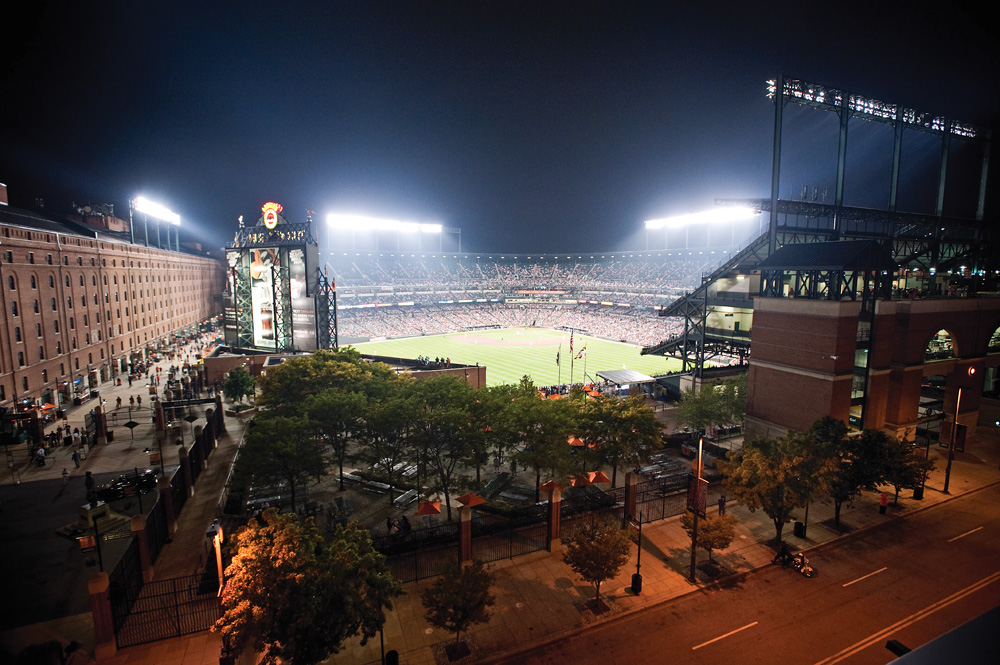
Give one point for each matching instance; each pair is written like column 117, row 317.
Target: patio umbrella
column 555, row 396
column 575, row 441
column 599, row 477
column 471, row 500
column 132, row 425
column 429, row 508
column 47, row 406
column 191, row 418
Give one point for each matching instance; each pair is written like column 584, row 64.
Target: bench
column 377, row 487
column 405, row 499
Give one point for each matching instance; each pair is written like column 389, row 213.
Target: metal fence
column 420, row 553
column 495, row 537
column 165, row 609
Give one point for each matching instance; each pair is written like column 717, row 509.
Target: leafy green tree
column 390, row 418
column 715, row 532
column 862, row 466
column 716, row 404
column 444, row 429
column 295, row 598
column 337, row 415
column 281, row 449
column 619, row 429
column 597, row 552
column 774, row 475
column 460, row 598
column 905, row 467
column 544, row 426
column 288, row 386
column 239, row 384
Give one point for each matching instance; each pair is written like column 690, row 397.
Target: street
column 910, row 580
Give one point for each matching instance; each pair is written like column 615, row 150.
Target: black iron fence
column 165, row 609
column 495, row 537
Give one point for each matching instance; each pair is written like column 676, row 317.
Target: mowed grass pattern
column 511, row 353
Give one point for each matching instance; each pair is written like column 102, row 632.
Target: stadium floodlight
column 147, row 207
column 713, row 216
column 346, row 222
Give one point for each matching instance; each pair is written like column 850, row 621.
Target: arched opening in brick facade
column 940, row 346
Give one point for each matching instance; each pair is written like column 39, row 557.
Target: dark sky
column 534, row 126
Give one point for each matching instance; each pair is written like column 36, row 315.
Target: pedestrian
column 883, row 503
column 76, row 458
column 722, row 504
column 65, row 475
column 131, row 400
column 129, row 380
column 139, row 400
column 119, row 403
column 406, row 524
column 388, row 525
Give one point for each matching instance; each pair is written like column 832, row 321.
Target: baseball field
column 511, row 353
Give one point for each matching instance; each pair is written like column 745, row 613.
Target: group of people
column 397, row 526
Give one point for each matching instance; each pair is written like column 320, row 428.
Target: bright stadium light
column 147, row 207
column 713, row 216
column 346, row 222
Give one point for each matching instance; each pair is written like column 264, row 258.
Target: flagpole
column 571, row 359
column 559, row 363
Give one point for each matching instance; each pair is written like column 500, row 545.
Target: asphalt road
column 910, row 580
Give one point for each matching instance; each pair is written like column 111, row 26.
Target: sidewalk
column 538, row 598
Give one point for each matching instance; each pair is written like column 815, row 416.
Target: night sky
column 535, row 126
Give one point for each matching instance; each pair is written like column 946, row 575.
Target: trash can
column 392, row 657
column 636, row 583
column 800, row 530
column 111, row 435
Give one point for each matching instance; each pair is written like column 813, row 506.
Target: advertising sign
column 303, row 308
column 262, row 296
column 697, row 496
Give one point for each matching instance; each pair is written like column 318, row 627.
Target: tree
column 444, row 431
column 619, row 429
column 239, row 384
column 774, row 475
column 544, row 426
column 460, row 598
column 389, row 420
column 597, row 552
column 295, row 598
column 716, row 404
column 337, row 415
column 280, row 449
column 861, row 467
column 905, row 467
column 715, row 532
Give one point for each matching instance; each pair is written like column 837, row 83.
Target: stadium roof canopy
column 621, row 377
column 843, row 255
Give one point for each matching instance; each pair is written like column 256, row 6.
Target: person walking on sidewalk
column 65, row 476
column 722, row 504
column 76, row 458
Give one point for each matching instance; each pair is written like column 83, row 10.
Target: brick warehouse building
column 819, row 351
column 81, row 303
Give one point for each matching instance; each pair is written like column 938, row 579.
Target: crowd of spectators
column 399, row 295
column 637, row 326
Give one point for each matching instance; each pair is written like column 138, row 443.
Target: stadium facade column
column 555, row 502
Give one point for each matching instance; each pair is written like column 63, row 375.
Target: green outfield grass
column 510, row 354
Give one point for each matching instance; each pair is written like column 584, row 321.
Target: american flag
column 570, row 342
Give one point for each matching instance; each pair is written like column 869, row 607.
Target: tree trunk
column 341, row 459
column 836, row 512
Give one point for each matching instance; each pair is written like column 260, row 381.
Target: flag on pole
column 557, row 354
column 583, row 352
column 571, row 343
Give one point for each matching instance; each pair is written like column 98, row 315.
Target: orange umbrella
column 429, row 508
column 575, row 441
column 599, row 477
column 471, row 499
column 555, row 396
column 580, row 480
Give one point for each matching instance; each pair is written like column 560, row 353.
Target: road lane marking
column 880, row 570
column 978, row 528
column 913, row 618
column 732, row 632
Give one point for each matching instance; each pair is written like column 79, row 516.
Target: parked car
column 127, row 484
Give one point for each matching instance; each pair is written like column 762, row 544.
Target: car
column 127, row 484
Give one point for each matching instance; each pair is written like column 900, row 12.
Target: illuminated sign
column 271, row 211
